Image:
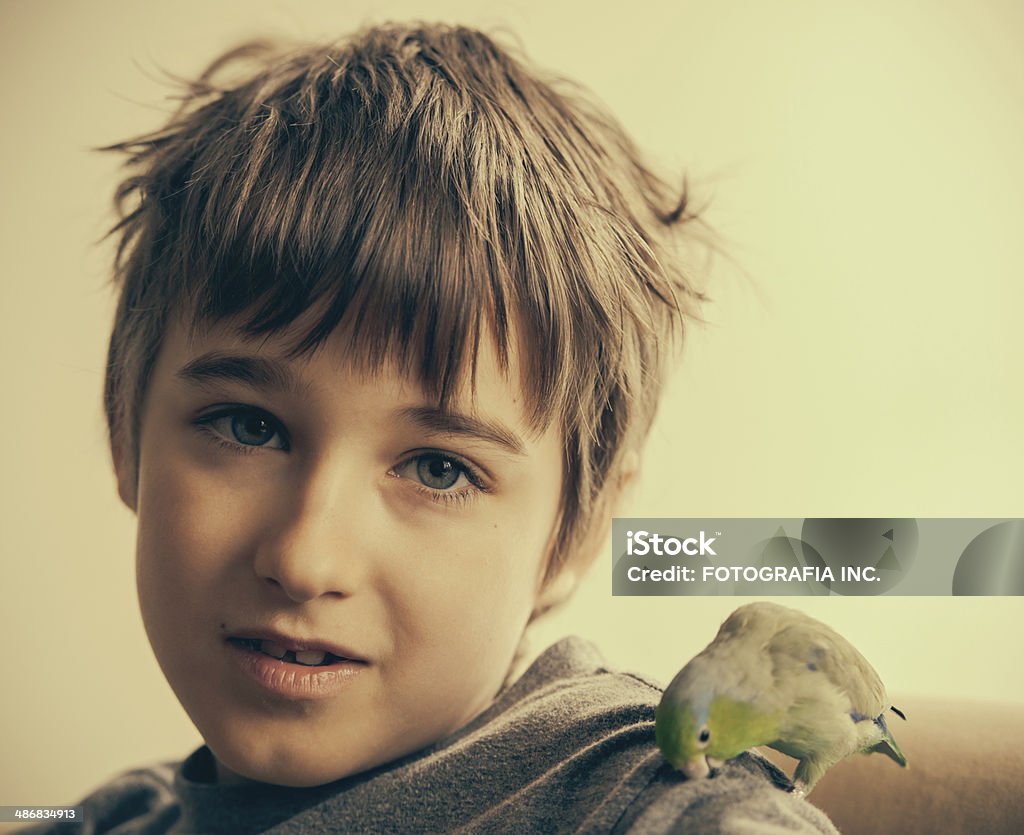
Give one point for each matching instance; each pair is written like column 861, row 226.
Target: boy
column 391, row 330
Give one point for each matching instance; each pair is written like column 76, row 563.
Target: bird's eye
column 705, row 735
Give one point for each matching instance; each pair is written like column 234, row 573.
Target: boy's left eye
column 438, row 471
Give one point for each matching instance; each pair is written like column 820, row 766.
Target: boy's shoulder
column 569, row 747
column 572, row 746
column 142, row 800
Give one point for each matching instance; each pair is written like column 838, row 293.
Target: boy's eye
column 439, row 472
column 246, row 427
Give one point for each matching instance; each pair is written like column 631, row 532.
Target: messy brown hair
column 420, row 187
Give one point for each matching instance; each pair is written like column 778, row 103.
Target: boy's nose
column 305, row 552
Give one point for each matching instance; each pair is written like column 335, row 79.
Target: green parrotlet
column 774, row 676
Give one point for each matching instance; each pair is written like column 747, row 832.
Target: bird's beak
column 697, row 768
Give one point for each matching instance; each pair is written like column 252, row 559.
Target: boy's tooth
column 275, row 650
column 310, row 657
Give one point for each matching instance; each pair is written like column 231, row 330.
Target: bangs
column 420, row 212
column 383, row 254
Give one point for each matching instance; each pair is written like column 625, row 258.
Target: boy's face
column 293, row 506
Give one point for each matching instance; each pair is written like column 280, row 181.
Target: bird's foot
column 799, row 789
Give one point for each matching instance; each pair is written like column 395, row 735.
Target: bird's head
column 684, row 728
column 699, row 725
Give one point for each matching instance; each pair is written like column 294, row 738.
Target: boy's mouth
column 305, row 658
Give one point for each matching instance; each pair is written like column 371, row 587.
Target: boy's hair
column 418, row 185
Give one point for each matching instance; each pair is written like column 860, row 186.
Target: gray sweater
column 569, row 747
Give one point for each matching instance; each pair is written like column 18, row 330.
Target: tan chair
column 965, row 775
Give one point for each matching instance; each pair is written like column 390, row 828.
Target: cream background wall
column 865, row 169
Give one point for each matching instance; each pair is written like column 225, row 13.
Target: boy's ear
column 126, row 472
column 617, row 493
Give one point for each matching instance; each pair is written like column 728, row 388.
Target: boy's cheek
column 187, row 540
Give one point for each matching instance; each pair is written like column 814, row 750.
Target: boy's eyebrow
column 258, row 372
column 433, row 419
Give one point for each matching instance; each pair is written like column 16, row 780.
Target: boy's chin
column 283, row 764
column 289, row 757
column 297, row 775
